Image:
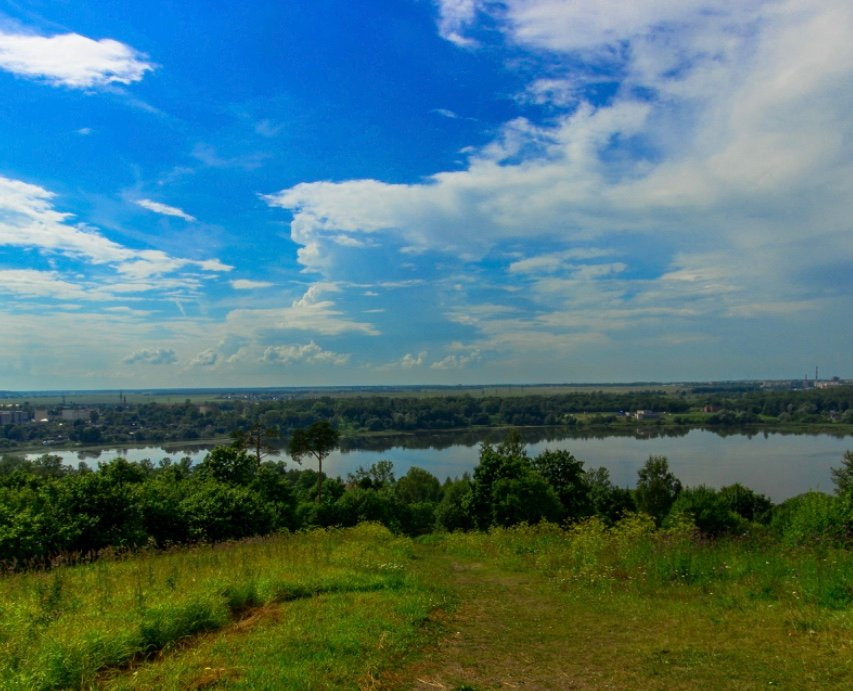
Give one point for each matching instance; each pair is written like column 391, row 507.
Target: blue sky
column 416, row 191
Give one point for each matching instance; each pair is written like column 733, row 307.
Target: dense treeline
column 49, row 510
column 158, row 423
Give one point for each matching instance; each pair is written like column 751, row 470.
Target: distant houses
column 646, row 415
column 74, row 414
column 14, row 417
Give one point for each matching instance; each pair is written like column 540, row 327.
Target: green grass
column 591, row 607
column 634, row 607
column 65, row 627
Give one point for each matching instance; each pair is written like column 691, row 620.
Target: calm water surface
column 778, row 465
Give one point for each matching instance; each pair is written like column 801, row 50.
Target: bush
column 746, row 503
column 708, row 509
column 812, row 517
column 216, row 511
column 526, row 499
column 359, row 505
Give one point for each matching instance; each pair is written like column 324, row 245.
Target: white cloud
column 554, row 261
column 454, row 16
column 206, row 358
column 231, row 345
column 728, row 139
column 152, row 356
column 164, row 209
column 211, row 157
column 269, row 129
column 309, row 353
column 444, row 112
column 34, row 284
column 72, row 60
column 410, row 360
column 29, row 220
column 246, row 284
column 559, row 92
column 456, row 361
column 597, row 25
column 308, row 313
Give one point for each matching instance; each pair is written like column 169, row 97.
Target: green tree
column 566, row 475
column 379, row 475
column 708, row 509
column 418, row 486
column 454, row 510
column 747, row 503
column 256, row 439
column 843, row 477
column 507, row 460
column 318, row 440
column 657, row 488
column 608, row 501
column 229, row 464
column 527, row 498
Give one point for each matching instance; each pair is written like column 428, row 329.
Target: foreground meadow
column 631, row 606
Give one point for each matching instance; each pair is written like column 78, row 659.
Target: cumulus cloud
column 309, row 353
column 727, row 138
column 231, row 344
column 164, row 209
column 152, row 356
column 246, row 284
column 206, row 358
column 410, row 360
column 453, row 361
column 72, row 60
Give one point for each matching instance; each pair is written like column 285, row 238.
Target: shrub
column 216, row 511
column 709, row 510
column 812, row 517
column 746, row 503
column 452, row 512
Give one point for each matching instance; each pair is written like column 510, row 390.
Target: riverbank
column 360, row 608
column 386, row 439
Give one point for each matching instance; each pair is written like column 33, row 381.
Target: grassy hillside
column 628, row 606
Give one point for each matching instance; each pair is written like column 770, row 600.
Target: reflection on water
column 529, row 435
column 779, row 465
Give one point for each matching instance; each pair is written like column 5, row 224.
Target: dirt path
column 507, row 633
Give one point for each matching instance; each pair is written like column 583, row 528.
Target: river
column 778, row 465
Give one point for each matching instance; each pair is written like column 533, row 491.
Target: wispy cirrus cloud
column 72, row 60
column 31, row 283
column 308, row 313
column 164, row 209
column 454, row 16
column 30, row 221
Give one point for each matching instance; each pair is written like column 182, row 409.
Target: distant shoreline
column 643, row 429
